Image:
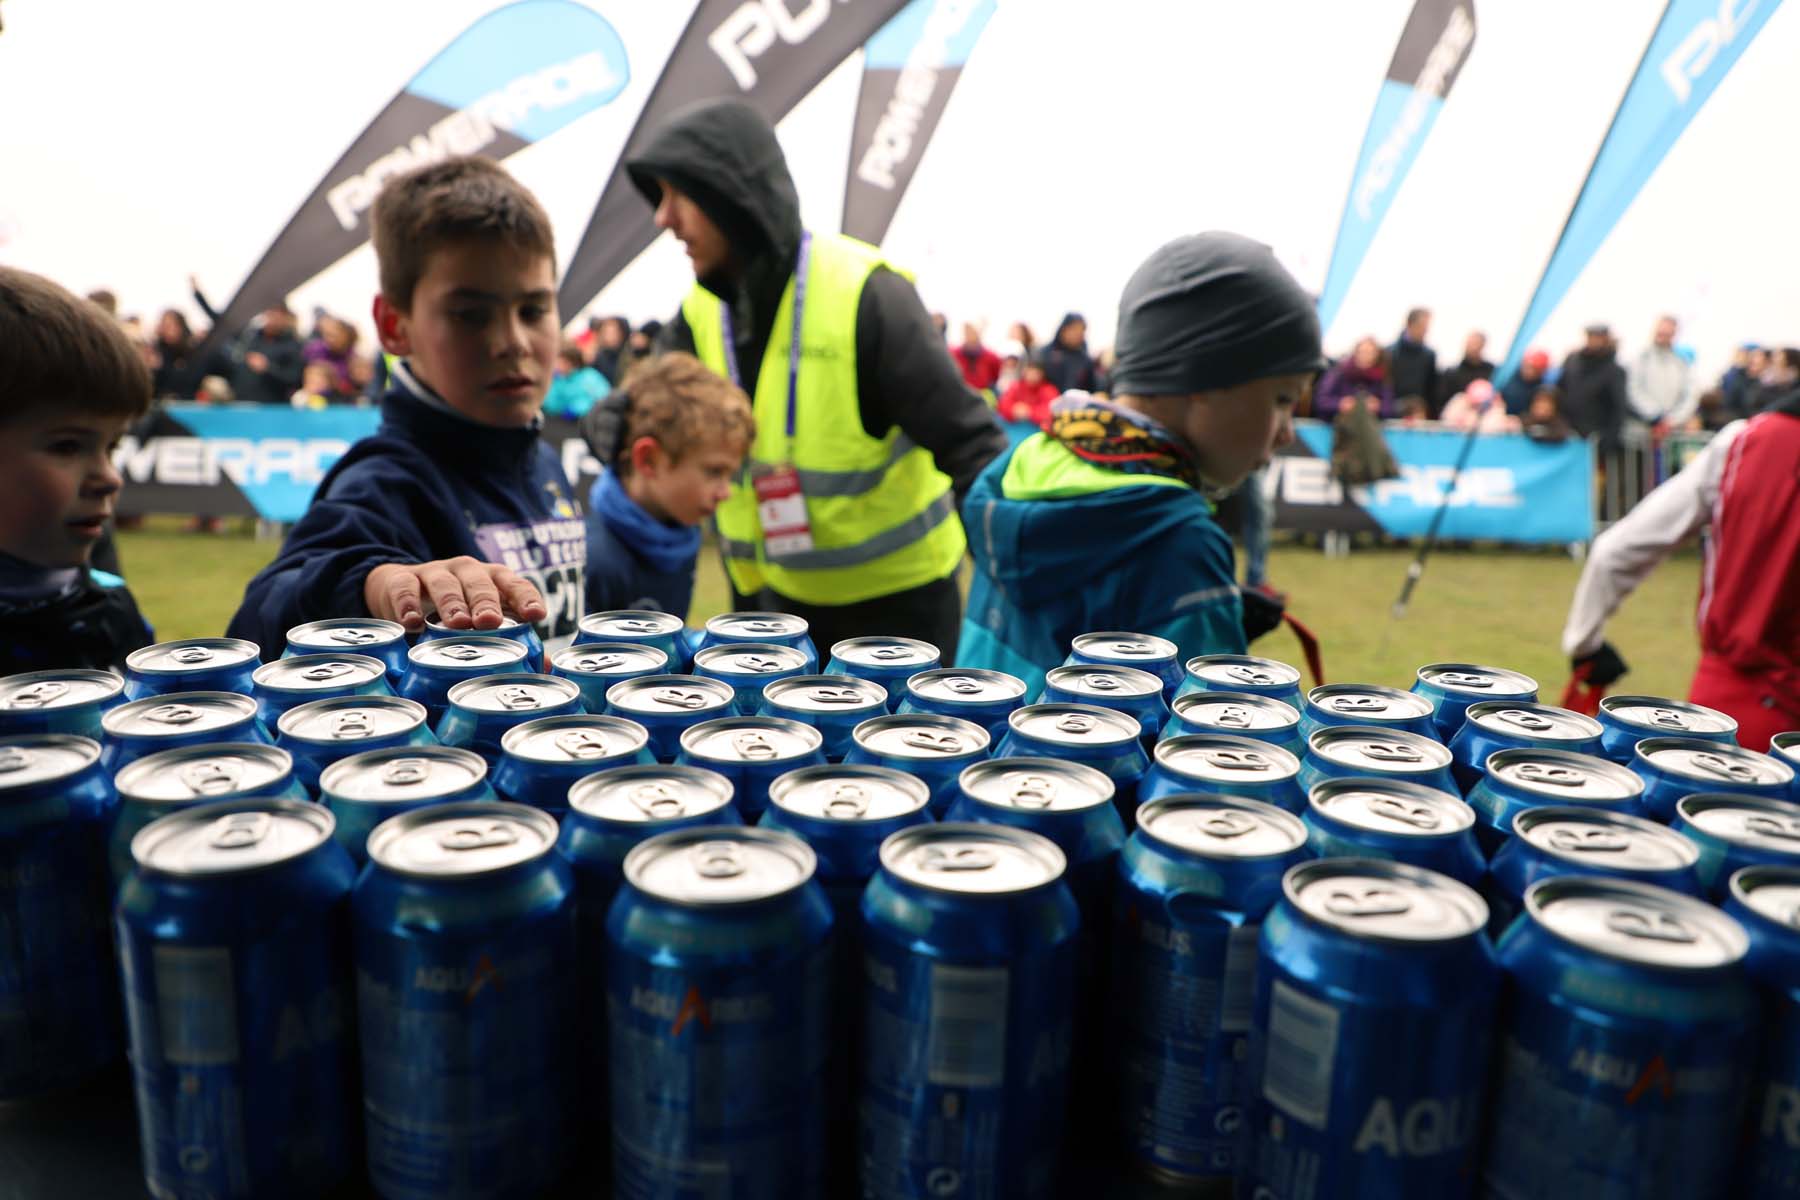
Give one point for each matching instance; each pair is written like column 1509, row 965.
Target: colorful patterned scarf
column 1103, row 433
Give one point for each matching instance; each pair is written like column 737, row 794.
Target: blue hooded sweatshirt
column 428, row 484
column 1064, row 547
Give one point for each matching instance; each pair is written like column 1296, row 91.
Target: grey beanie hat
column 1211, row 311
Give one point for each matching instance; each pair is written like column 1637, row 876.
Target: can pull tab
column 192, row 656
column 463, row 654
column 1133, row 648
column 12, row 758
column 352, row 637
column 834, row 695
column 518, row 698
column 1372, row 901
column 1528, row 721
column 1775, row 827
column 753, row 744
column 236, row 831
column 1100, row 683
column 1251, row 676
column 1668, row 718
column 596, row 663
column 173, row 714
column 1392, row 752
column 325, row 672
column 1715, row 765
column 1419, row 816
column 635, row 626
column 936, row 743
column 1226, row 824
column 758, row 664
column 771, row 627
column 1588, row 841
column 957, row 858
column 1463, row 679
column 1240, row 760
column 1649, row 927
column 848, row 802
column 1563, row 777
column 679, row 697
column 352, row 724
column 1076, row 723
column 1032, row 791
column 1233, row 716
column 891, row 653
column 718, row 860
column 582, row 743
column 404, row 772
column 962, row 685
column 210, row 777
column 658, row 802
column 1358, row 704
column 479, row 837
column 38, row 695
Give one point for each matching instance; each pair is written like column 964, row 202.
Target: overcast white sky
column 139, row 142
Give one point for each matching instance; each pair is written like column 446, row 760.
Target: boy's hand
column 467, row 593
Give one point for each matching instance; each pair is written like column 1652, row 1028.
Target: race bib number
column 781, row 509
column 552, row 554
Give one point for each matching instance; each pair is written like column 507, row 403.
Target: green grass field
column 1500, row 607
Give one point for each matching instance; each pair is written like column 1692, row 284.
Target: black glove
column 1602, row 668
column 603, row 426
column 1262, row 612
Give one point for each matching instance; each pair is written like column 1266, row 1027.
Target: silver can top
column 338, row 719
column 515, row 693
column 1540, row 722
column 1786, row 747
column 825, row 694
column 749, row 658
column 1478, row 682
column 750, row 740
column 1391, row 806
column 642, row 793
column 471, row 653
column 346, row 634
column 402, row 774
column 924, row 736
column 318, row 672
column 1712, row 764
column 36, row 691
column 1209, row 826
column 178, row 714
column 1036, row 784
column 462, row 839
column 1661, row 716
column 849, row 792
column 1104, row 681
column 1385, row 901
column 757, row 626
column 231, row 837
column 1371, row 750
column 711, row 865
column 887, row 653
column 966, row 685
column 32, row 760
column 1232, row 671
column 671, row 695
column 629, row 624
column 1235, row 712
column 1220, row 758
column 573, row 738
column 435, row 628
column 192, row 654
column 1636, row 922
column 1073, row 725
column 973, row 860
column 1768, row 824
column 1772, row 893
column 1595, row 837
column 610, row 658
column 1117, row 646
column 1368, row 703
column 214, row 770
column 1564, row 775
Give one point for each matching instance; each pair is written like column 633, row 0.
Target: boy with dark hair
column 454, row 505
column 671, row 438
column 70, row 384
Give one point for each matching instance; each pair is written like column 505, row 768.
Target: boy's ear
column 391, row 327
column 647, row 457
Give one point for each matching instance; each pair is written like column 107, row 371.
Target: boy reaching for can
column 455, row 504
column 1105, row 520
column 70, row 384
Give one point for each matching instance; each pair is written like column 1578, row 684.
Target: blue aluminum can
column 436, row 666
column 748, row 667
column 1627, row 720
column 1553, row 840
column 1226, row 766
column 366, row 789
column 1370, row 1042
column 384, row 640
column 192, row 665
column 1144, row 651
column 1766, row 902
column 480, row 711
column 666, row 705
column 509, row 629
column 844, row 812
column 1734, row 831
column 1404, row 822
column 170, row 780
column 1346, row 751
column 718, row 973
column 1243, row 674
column 643, row 627
column 969, row 1004
column 1239, row 714
column 59, row 1020
column 762, row 628
column 1099, row 737
column 1137, row 694
column 1627, row 1031
column 320, row 732
column 596, row 666
column 886, row 661
column 1675, row 767
column 542, row 759
column 64, row 701
column 1194, row 884
column 934, row 748
column 1520, row 779
column 1453, row 687
column 465, row 973
column 986, row 698
column 1493, row 725
column 1367, row 704
column 290, row 682
column 1786, row 748
column 752, row 752
column 832, row 704
column 234, row 942
column 140, row 727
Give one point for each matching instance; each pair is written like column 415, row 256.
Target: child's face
column 482, row 331
column 1238, row 430
column 688, row 489
column 57, row 485
column 319, row 378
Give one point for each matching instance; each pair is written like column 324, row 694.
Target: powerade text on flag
column 514, row 77
column 909, row 70
column 1695, row 44
column 768, row 53
column 1433, row 47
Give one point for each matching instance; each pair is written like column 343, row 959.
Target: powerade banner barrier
column 1695, row 44
column 514, row 77
column 768, row 53
column 1511, row 490
column 1433, row 47
column 910, row 68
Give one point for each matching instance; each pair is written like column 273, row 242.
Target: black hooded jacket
column 724, row 156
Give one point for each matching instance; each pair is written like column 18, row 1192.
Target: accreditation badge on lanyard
column 780, row 499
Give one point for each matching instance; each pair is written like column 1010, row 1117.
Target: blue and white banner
column 1511, row 490
column 1433, row 47
column 1695, row 44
